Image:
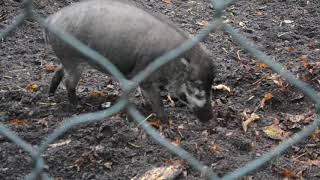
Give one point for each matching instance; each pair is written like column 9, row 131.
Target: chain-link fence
column 129, row 85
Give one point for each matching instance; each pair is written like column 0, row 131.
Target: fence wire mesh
column 129, row 84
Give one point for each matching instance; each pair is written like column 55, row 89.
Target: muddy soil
column 287, row 30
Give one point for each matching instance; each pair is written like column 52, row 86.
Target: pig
column 131, row 38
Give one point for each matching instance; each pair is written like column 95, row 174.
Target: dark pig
column 131, row 38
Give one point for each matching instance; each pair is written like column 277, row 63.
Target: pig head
column 195, row 89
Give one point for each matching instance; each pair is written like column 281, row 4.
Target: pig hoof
column 73, row 107
column 164, row 119
column 74, row 101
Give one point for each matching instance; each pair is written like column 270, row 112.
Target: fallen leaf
column 295, row 118
column 167, row 1
column 156, row 123
column 216, row 148
column 267, row 97
column 97, row 94
column 18, row 122
column 177, row 141
column 306, row 63
column 50, row 68
column 316, row 135
column 32, row 87
column 232, row 21
column 161, row 173
column 315, row 162
column 289, row 174
column 60, row 143
column 181, row 126
column 222, row 87
column 291, row 49
column 108, row 165
column 110, row 86
column 260, row 13
column 248, row 120
column 288, row 21
column 7, row 77
column 262, row 65
column 277, row 80
column 242, row 24
column 275, row 132
column 203, row 23
column 134, row 145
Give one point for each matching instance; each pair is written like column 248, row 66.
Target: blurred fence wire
column 129, row 85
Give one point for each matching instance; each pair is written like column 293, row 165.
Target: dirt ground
column 288, row 30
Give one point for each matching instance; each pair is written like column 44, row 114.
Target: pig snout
column 198, row 100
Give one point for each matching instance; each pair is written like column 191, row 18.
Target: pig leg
column 151, row 93
column 56, row 79
column 72, row 78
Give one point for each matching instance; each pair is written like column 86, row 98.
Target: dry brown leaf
column 32, row 87
column 18, row 122
column 97, row 94
column 156, row 123
column 316, row 135
column 315, row 162
column 267, row 97
column 248, row 120
column 277, row 80
column 232, row 21
column 291, row 49
column 263, row 66
column 167, row 1
column 161, row 173
column 216, row 148
column 242, row 24
column 177, row 141
column 275, row 132
column 170, row 162
column 260, row 13
column 289, row 174
column 306, row 63
column 295, row 118
column 50, row 68
column 203, row 23
column 222, row 87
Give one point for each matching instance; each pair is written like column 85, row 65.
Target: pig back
column 128, row 36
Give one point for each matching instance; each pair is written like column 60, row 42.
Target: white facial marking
column 194, row 101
